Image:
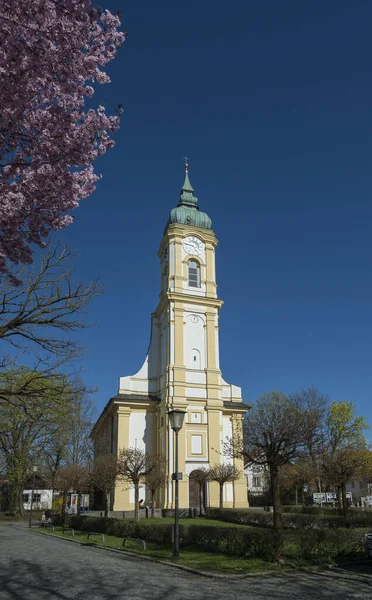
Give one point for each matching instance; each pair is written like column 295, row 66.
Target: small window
column 257, row 482
column 36, row 498
column 353, row 484
column 25, row 498
column 194, row 273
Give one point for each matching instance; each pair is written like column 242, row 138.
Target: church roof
column 187, row 211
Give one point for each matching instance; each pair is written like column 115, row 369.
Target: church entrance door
column 194, row 494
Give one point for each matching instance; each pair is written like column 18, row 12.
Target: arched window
column 194, row 273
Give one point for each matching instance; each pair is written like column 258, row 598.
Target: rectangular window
column 257, row 482
column 353, row 484
column 196, row 444
column 36, row 498
column 25, row 498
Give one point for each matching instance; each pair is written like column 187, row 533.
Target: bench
column 95, row 533
column 48, row 525
column 68, row 529
column 135, row 540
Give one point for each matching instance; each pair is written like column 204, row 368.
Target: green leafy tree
column 26, row 423
column 293, row 476
column 343, row 456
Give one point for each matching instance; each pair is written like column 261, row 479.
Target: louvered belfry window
column 194, row 273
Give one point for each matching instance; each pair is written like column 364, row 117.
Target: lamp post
column 176, row 417
column 34, row 469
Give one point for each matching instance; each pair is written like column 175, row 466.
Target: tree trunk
column 344, row 502
column 105, row 494
column 296, row 495
column 78, row 508
column 274, row 479
column 152, row 503
column 339, row 500
column 136, row 501
column 64, row 502
column 221, row 495
column 201, row 507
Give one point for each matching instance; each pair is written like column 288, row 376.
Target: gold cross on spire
column 186, row 159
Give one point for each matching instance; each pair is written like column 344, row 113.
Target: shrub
column 57, row 504
column 305, row 544
column 242, row 517
column 324, row 544
column 292, row 520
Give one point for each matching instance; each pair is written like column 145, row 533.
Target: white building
column 257, row 482
column 42, row 499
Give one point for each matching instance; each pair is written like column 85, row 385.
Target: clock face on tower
column 192, row 246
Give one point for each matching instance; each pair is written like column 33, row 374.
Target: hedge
column 310, row 510
column 291, row 521
column 235, row 541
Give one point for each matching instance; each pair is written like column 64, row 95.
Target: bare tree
column 79, row 423
column 273, row 436
column 200, row 476
column 156, row 478
column 134, row 465
column 73, row 478
column 314, row 406
column 223, row 473
column 69, row 442
column 103, row 476
column 39, row 312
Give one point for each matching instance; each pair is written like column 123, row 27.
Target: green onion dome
column 187, row 212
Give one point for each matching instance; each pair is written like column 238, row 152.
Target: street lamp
column 34, row 469
column 176, row 417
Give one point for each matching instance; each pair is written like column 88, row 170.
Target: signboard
column 319, row 498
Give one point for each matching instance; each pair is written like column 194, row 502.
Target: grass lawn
column 189, row 557
column 193, row 521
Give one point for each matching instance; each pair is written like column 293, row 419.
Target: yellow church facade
column 181, row 370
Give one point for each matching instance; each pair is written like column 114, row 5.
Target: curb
column 166, row 563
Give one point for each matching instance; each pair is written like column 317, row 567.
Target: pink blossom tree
column 51, row 54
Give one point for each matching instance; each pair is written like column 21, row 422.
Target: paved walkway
column 33, row 566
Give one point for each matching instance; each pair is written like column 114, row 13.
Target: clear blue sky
column 272, row 102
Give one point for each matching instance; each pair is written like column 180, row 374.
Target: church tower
column 181, row 370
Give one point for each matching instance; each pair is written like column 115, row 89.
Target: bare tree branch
column 48, row 304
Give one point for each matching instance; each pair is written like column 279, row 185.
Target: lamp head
column 176, row 417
